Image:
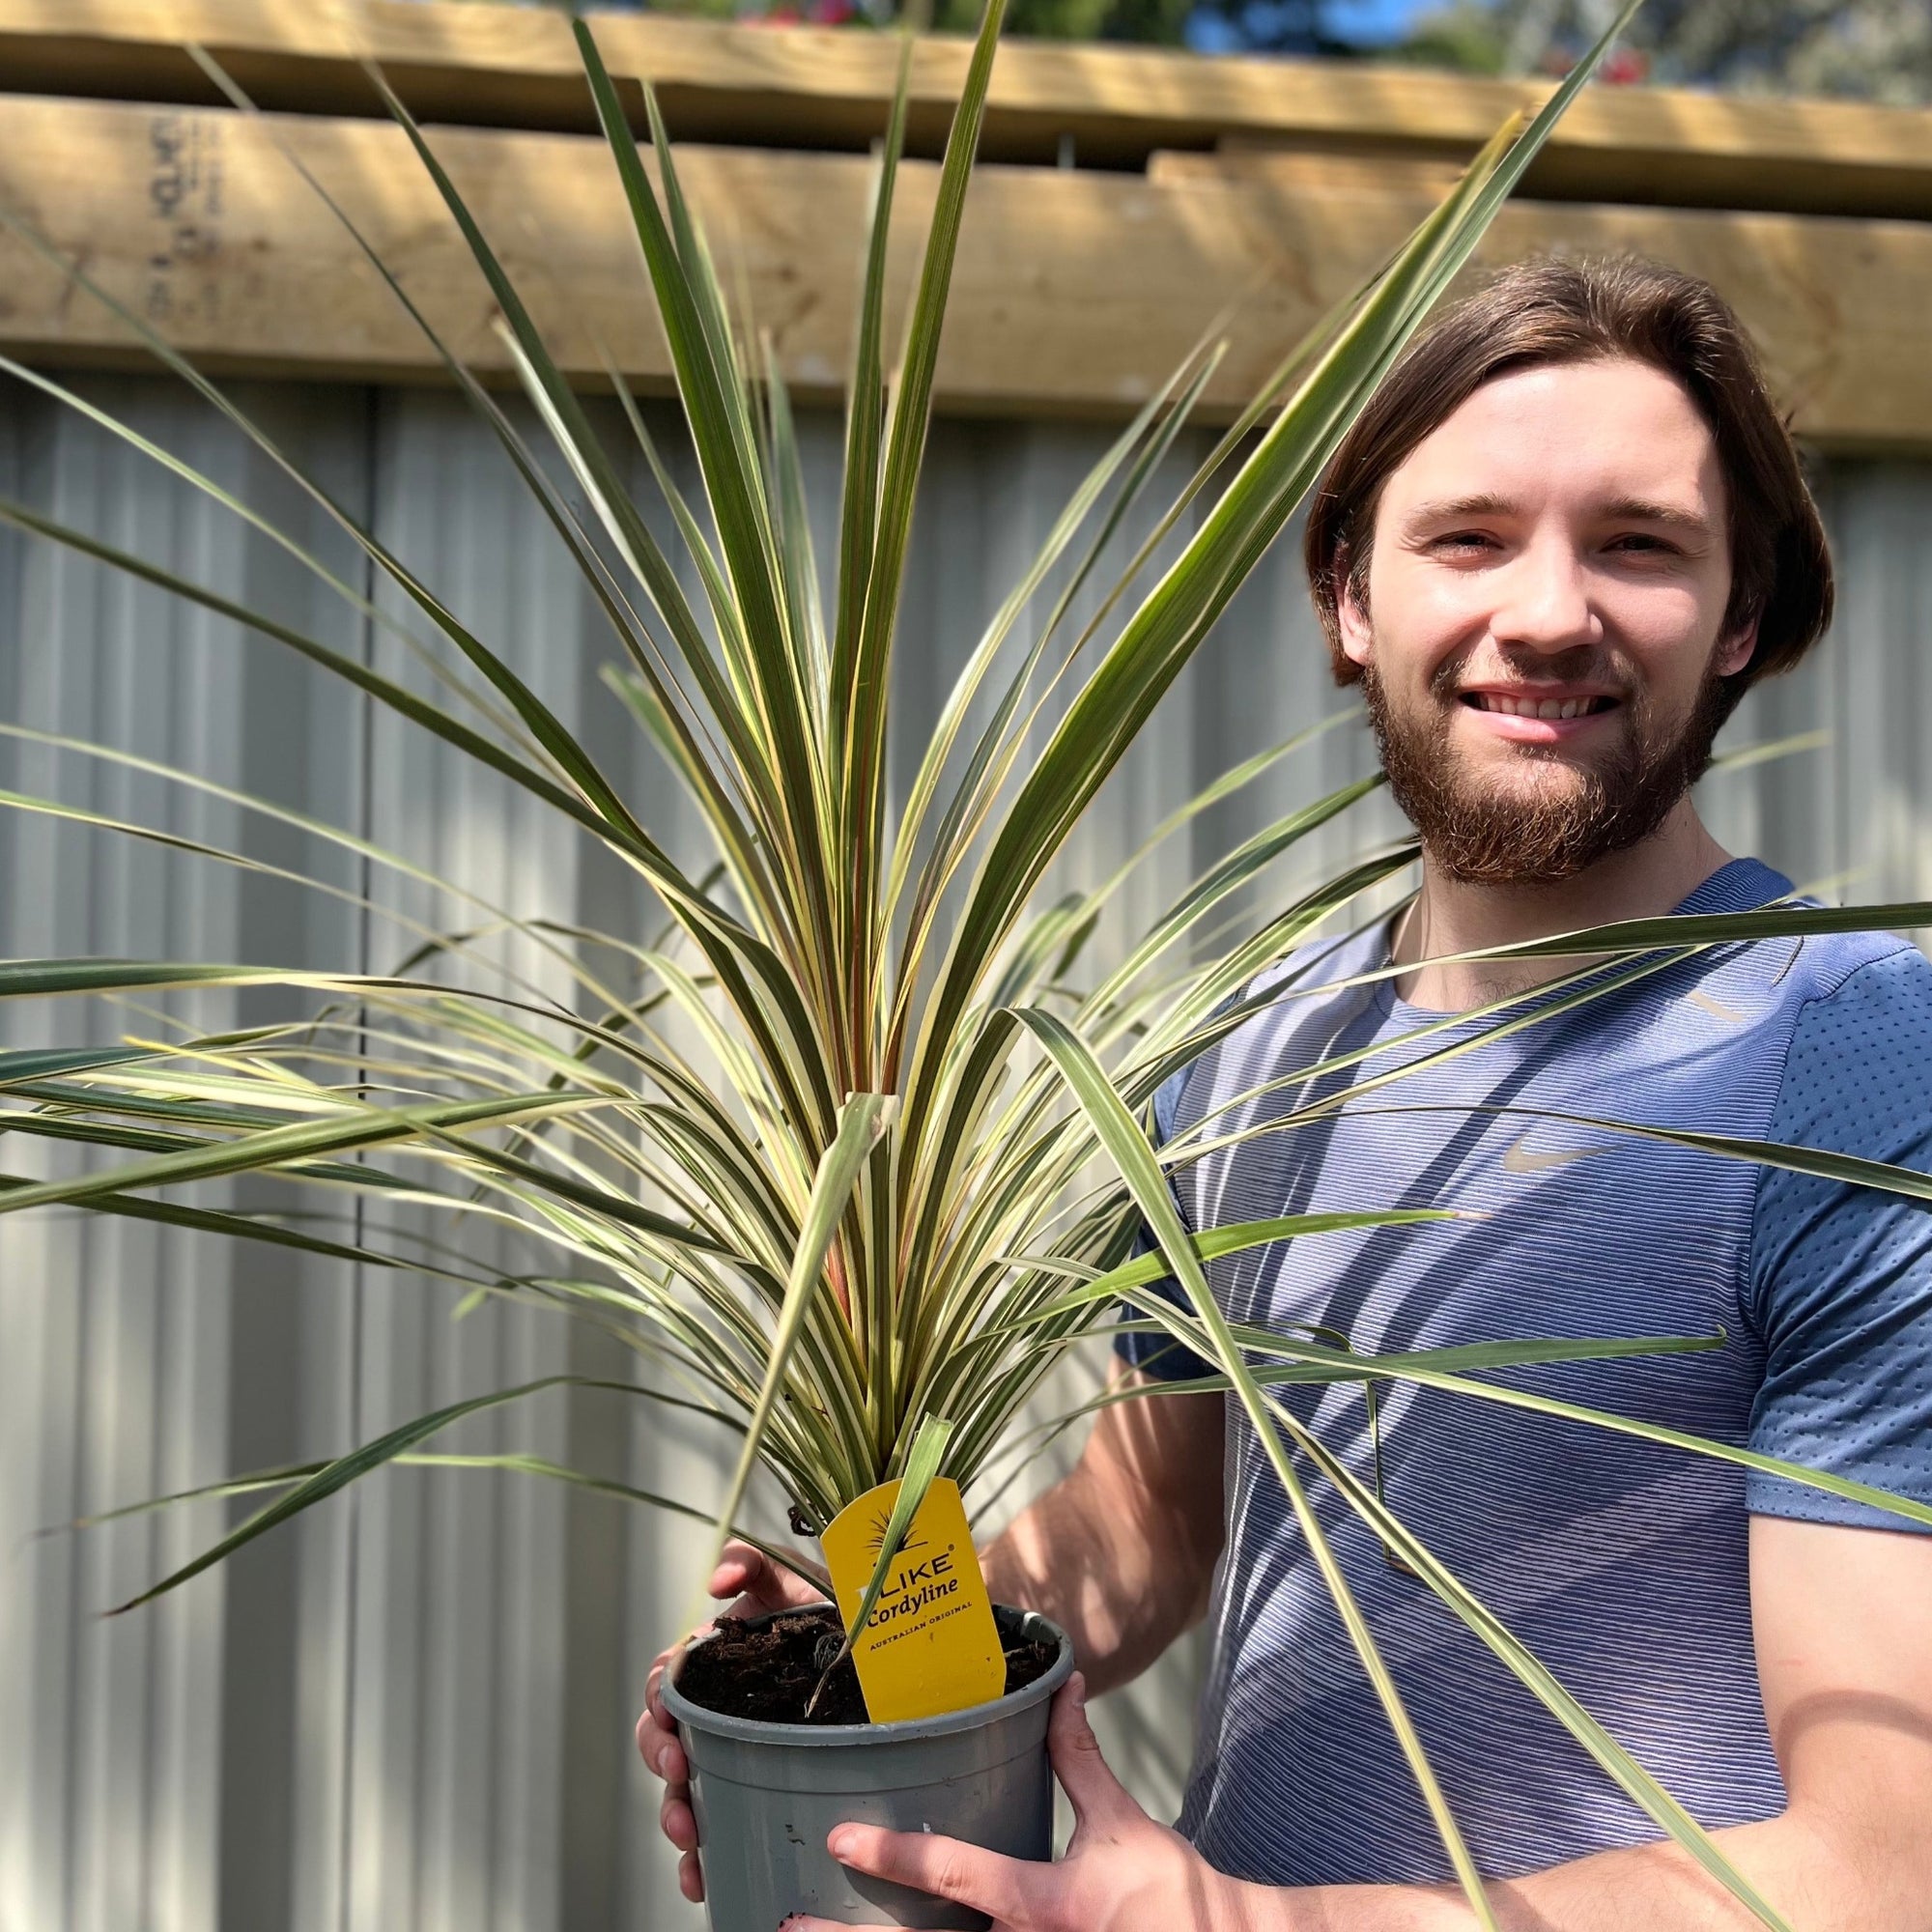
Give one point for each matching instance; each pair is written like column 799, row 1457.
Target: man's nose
column 1544, row 603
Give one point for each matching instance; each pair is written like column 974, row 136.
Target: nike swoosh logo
column 1518, row 1160
column 1716, row 1008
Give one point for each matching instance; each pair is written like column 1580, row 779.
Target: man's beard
column 1495, row 836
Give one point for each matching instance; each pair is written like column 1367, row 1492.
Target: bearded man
column 1566, row 536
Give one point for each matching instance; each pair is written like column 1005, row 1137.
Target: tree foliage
column 1877, row 50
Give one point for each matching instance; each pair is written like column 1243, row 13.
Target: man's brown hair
column 1555, row 311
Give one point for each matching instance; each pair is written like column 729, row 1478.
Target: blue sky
column 1232, row 26
column 1373, row 22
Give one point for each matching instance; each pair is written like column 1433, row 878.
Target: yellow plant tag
column 930, row 1644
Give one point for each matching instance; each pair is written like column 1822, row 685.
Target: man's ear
column 1351, row 620
column 1734, row 651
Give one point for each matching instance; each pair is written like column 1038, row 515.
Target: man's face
column 1540, row 642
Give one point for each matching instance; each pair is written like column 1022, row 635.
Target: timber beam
column 1076, row 291
column 1106, row 107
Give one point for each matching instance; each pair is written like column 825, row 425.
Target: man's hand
column 758, row 1585
column 1121, row 1872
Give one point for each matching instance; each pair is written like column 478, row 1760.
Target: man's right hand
column 758, row 1585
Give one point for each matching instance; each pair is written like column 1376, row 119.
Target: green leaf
column 798, row 1565
column 417, row 710
column 713, row 405
column 921, row 1469
column 1780, row 921
column 1235, row 1237
column 279, row 1147
column 861, row 1121
column 1239, row 868
column 864, row 409
column 1201, row 1337
column 1129, row 1152
column 1743, row 758
column 1637, row 1783
column 859, row 682
column 40, row 1062
column 1824, row 1163
column 1140, row 447
column 199, row 480
column 1676, row 1439
column 923, row 1466
column 332, row 1477
column 214, row 1221
column 309, row 1482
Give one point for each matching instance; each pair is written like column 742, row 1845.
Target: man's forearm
column 1120, row 1591
column 1810, row 1874
column 1119, row 1554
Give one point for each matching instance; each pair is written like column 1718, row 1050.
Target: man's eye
column 1641, row 542
column 1463, row 540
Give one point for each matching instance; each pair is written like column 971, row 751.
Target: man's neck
column 1451, row 916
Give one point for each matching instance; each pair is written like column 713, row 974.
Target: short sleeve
column 1157, row 1355
column 1841, row 1283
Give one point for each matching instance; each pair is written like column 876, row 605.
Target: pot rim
column 820, row 1737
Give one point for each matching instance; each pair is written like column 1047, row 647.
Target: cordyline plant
column 826, row 1157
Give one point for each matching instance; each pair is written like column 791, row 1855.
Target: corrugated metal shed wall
column 412, row 1710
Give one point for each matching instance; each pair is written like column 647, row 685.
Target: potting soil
column 769, row 1670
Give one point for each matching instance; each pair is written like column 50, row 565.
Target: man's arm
column 1844, row 1626
column 1843, row 1622
column 1121, row 1553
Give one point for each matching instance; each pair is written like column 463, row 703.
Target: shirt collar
column 1738, row 887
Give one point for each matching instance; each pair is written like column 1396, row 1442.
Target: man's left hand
column 1121, row 1872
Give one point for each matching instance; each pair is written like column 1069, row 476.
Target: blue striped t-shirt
column 1621, row 1564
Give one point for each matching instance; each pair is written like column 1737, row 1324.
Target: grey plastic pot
column 766, row 1795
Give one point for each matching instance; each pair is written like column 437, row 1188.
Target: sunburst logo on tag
column 930, row 1644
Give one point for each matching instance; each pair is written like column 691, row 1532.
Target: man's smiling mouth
column 1537, row 708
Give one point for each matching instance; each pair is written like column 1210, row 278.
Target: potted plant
column 823, row 1153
